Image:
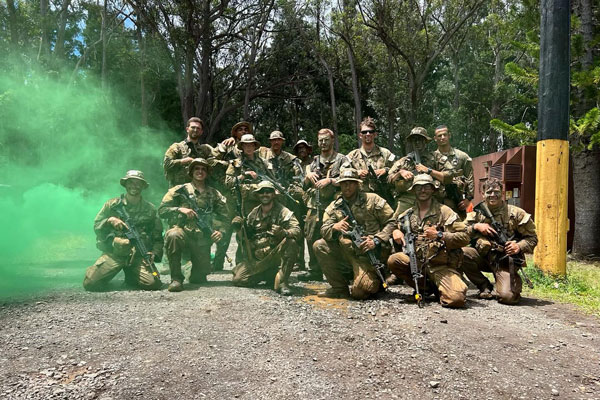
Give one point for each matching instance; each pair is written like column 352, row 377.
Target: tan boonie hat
column 197, row 161
column 264, row 185
column 276, row 135
column 302, row 142
column 419, row 131
column 241, row 123
column 421, row 180
column 248, row 138
column 133, row 174
column 349, row 174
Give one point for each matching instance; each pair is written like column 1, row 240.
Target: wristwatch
column 377, row 241
column 429, row 171
column 440, row 235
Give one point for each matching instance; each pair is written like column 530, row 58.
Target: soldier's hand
column 188, row 212
column 187, row 160
column 485, row 229
column 277, row 231
column 341, row 226
column 216, row 236
column 463, row 204
column 406, row 175
column 511, row 248
column 398, row 237
column 431, row 232
column 252, row 174
column 228, row 142
column 117, row 223
column 313, row 177
column 367, row 244
column 151, row 255
column 421, row 168
column 363, row 172
column 322, row 183
column 379, row 172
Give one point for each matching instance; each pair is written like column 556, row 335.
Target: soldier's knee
column 91, row 286
column 508, row 297
column 320, row 247
column 470, row 253
column 397, row 262
column 453, row 299
column 173, row 235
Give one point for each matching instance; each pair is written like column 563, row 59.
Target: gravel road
column 220, row 342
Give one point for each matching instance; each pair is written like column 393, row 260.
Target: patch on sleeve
column 451, row 219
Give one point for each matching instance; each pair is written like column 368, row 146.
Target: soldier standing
column 453, row 168
column 272, row 232
column 440, row 236
column 372, row 161
column 339, row 257
column 303, row 152
column 403, row 171
column 320, row 189
column 180, row 154
column 490, row 254
column 197, row 216
column 118, row 252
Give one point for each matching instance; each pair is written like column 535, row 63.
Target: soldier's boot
column 175, row 286
column 281, row 279
column 176, row 274
column 487, row 292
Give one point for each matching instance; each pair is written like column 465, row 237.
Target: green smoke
column 63, row 148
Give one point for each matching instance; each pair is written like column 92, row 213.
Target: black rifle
column 277, row 185
column 356, row 235
column 239, row 204
column 416, row 156
column 500, row 238
column 319, row 172
column 200, row 220
column 382, row 188
column 409, row 249
column 133, row 235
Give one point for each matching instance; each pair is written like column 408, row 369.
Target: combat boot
column 175, row 286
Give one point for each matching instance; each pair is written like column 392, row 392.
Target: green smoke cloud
column 63, row 149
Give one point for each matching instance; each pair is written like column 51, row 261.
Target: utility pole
column 552, row 138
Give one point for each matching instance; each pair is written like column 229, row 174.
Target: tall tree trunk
column 355, row 90
column 13, row 22
column 586, row 181
column 103, row 37
column 143, row 99
column 188, row 83
column 495, row 106
column 44, row 48
column 583, row 9
column 59, row 48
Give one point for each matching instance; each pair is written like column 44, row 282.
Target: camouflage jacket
column 446, row 252
column 371, row 212
column 407, row 163
column 144, row 218
column 518, row 224
column 260, row 228
column 247, row 185
column 457, row 169
column 210, row 202
column 378, row 158
column 176, row 172
column 284, row 167
column 325, row 168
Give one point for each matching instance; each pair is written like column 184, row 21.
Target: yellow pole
column 551, row 190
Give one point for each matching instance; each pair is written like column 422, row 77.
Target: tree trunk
column 586, row 186
column 331, row 98
column 495, row 106
column 103, row 37
column 59, row 48
column 44, row 48
column 143, row 99
column 355, row 91
column 13, row 22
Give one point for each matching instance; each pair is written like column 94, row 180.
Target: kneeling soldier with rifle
column 197, row 216
column 269, row 237
column 129, row 234
column 439, row 236
column 356, row 230
column 502, row 234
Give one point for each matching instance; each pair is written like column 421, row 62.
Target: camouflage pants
column 109, row 265
column 508, row 288
column 452, row 289
column 341, row 265
column 176, row 240
column 312, row 230
column 268, row 269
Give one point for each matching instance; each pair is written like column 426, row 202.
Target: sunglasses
column 366, row 132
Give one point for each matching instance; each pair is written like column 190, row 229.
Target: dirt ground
column 217, row 341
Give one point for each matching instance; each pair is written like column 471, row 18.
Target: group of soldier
column 368, row 220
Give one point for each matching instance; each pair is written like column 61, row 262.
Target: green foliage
column 519, row 132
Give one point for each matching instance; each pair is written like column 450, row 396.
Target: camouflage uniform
column 247, row 185
column 405, row 199
column 325, row 168
column 520, row 227
column 117, row 251
column 269, row 251
column 340, row 260
column 444, row 256
column 175, row 171
column 378, row 158
column 458, row 171
column 184, row 232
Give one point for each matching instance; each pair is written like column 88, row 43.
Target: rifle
column 501, row 238
column 133, row 235
column 409, row 249
column 317, row 190
column 356, row 235
column 277, row 185
column 239, row 204
column 201, row 223
column 382, row 189
column 416, row 156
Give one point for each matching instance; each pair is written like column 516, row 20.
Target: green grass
column 581, row 286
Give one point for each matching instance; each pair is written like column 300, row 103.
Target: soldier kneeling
column 269, row 241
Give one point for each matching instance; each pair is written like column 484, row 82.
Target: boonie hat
column 197, row 161
column 241, row 123
column 302, row 142
column 276, row 135
column 133, row 174
column 248, row 138
column 419, row 131
column 349, row 174
column 264, row 185
column 421, row 180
